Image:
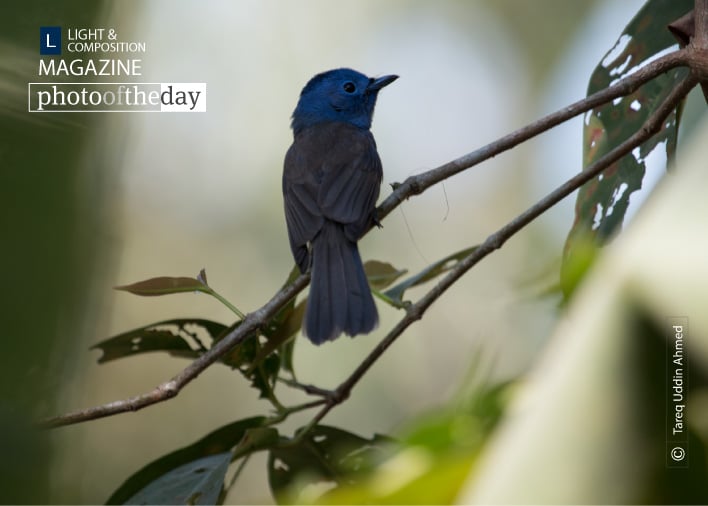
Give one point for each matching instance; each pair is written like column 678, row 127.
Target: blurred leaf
column 197, row 482
column 464, row 428
column 164, row 286
column 576, row 266
column 381, row 274
column 325, row 454
column 592, row 425
column 437, row 452
column 171, row 336
column 255, row 439
column 217, row 442
column 602, row 203
column 413, row 476
column 395, row 294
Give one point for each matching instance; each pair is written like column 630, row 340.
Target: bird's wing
column 351, row 179
column 331, row 172
column 302, row 213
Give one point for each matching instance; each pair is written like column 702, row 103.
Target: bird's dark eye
column 349, row 87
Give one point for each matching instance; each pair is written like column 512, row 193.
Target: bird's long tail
column 340, row 298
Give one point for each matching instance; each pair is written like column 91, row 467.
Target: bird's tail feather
column 340, row 298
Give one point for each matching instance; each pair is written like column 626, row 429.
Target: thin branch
column 414, row 185
column 171, row 388
column 415, row 312
column 418, row 183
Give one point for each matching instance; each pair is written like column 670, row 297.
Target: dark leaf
column 602, row 203
column 395, row 294
column 279, row 329
column 217, row 442
column 264, row 373
column 326, row 454
column 255, row 439
column 164, row 286
column 197, row 482
column 279, row 332
column 287, row 351
column 178, row 337
column 238, row 355
column 381, row 274
column 259, row 369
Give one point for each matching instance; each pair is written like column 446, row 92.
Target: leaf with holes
column 197, row 482
column 602, row 202
column 218, row 442
column 394, row 296
column 181, row 337
column 325, row 454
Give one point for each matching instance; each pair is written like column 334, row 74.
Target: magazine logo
column 117, row 97
column 50, row 40
column 97, row 53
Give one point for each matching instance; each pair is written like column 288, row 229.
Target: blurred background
column 94, row 201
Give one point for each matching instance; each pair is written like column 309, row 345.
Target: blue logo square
column 50, row 40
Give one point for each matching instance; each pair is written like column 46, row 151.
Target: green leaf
column 197, row 482
column 394, row 296
column 217, row 442
column 324, row 454
column 435, row 454
column 413, row 476
column 164, row 286
column 175, row 337
column 602, row 203
column 381, row 274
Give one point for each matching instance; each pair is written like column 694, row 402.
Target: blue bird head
column 340, row 95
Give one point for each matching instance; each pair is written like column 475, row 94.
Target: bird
column 331, row 181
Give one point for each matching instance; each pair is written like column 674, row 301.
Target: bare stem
column 414, row 185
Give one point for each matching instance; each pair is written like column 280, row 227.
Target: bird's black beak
column 380, row 82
